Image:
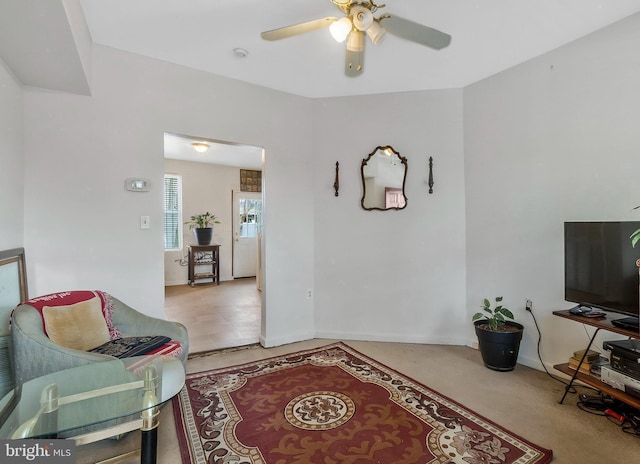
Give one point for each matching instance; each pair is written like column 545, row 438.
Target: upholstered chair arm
column 35, row 354
column 132, row 323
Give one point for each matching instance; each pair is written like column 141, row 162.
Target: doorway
column 226, row 315
column 247, row 231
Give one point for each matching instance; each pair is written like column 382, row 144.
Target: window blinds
column 172, row 212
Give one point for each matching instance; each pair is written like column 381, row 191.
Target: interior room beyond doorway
column 214, row 176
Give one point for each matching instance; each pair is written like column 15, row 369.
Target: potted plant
column 498, row 338
column 202, row 225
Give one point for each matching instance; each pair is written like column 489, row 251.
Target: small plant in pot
column 498, row 338
column 202, row 225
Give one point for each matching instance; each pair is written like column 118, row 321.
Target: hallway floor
column 216, row 316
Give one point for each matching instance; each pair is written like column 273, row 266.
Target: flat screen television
column 600, row 268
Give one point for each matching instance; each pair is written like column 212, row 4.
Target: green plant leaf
column 496, row 316
column 635, row 238
column 507, row 313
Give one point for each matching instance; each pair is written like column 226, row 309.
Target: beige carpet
column 504, row 397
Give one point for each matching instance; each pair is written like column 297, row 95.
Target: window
column 250, row 217
column 172, row 212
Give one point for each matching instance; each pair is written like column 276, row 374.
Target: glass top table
column 94, row 401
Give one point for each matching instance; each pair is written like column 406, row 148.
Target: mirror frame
column 402, row 159
column 13, row 281
column 16, row 255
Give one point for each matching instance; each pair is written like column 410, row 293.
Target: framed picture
column 13, row 290
column 250, row 181
column 13, row 284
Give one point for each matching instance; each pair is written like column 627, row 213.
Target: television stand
column 603, row 323
column 629, row 323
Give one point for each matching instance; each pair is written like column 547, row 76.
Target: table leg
column 149, row 445
column 49, row 401
column 149, row 429
column 575, row 374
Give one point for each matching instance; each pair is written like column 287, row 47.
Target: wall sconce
column 431, row 174
column 200, row 147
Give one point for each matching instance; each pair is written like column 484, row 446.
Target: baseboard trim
column 271, row 342
column 390, row 337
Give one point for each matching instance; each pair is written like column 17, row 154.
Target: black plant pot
column 499, row 349
column 204, row 236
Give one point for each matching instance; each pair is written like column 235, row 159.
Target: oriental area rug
column 333, row 405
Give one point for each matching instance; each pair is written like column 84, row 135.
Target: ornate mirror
column 384, row 173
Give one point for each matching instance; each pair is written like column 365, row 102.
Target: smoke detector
column 240, row 52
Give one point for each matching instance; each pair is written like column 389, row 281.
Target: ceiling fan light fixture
column 362, row 17
column 355, row 43
column 200, row 147
column 376, row 33
column 340, row 29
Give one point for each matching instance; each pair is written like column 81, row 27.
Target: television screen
column 600, row 268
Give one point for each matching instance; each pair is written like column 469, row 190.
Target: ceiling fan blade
column 296, row 29
column 415, row 32
column 354, row 61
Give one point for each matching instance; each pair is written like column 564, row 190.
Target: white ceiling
column 47, row 44
column 488, row 36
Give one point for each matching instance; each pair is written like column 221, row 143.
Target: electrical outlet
column 529, row 306
column 309, row 294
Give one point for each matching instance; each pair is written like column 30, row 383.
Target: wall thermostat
column 137, row 185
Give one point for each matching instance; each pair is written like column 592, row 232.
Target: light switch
column 145, row 222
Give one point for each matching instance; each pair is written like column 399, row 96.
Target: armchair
column 35, row 354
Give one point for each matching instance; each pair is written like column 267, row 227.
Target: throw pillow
column 131, row 346
column 80, row 326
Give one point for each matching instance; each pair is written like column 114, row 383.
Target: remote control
column 580, row 310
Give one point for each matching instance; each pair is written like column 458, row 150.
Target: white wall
column 11, row 160
column 205, row 187
column 555, row 139
column 392, row 275
column 551, row 140
column 82, row 228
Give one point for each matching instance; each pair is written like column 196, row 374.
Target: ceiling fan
column 358, row 20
